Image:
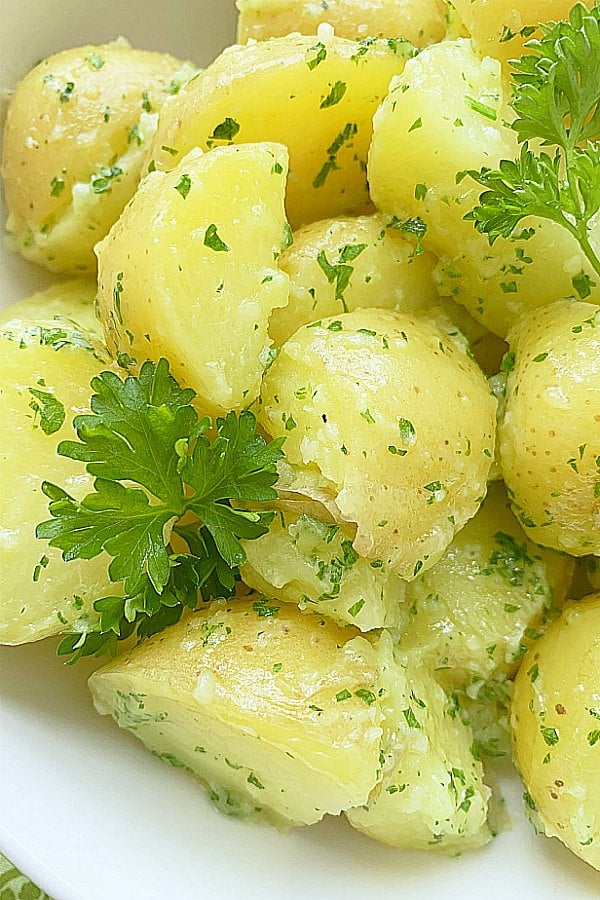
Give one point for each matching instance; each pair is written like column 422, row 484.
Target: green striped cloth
column 14, row 886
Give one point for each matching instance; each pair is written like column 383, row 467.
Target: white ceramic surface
column 84, row 810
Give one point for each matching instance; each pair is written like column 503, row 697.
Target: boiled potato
column 556, row 729
column 349, row 263
column 47, row 360
column 474, row 613
column 421, row 21
column 273, row 711
column 393, row 424
column 550, row 432
column 501, row 28
column 308, row 560
column 316, row 95
column 75, row 138
column 444, row 116
column 184, row 265
column 432, row 795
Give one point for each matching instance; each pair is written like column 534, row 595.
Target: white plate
column 85, row 811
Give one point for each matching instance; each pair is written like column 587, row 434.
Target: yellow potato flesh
column 184, row 262
column 260, row 703
column 556, row 729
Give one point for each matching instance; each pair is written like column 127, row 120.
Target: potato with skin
column 316, row 95
column 473, row 614
column 340, row 265
column 390, row 424
column 550, row 432
column 556, row 729
column 47, row 361
column 307, row 559
column 501, row 28
column 76, row 134
column 195, row 251
column 444, row 116
column 432, row 795
column 273, row 711
column 421, row 21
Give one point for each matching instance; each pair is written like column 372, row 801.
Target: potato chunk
column 390, row 424
column 421, row 21
column 307, row 559
column 550, row 431
column 46, row 360
column 271, row 710
column 316, row 95
column 189, row 275
column 501, row 28
column 442, row 117
column 340, row 265
column 473, row 614
column 76, row 134
column 432, row 795
column 556, row 729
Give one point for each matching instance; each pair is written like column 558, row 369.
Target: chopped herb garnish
column 183, row 187
column 212, row 240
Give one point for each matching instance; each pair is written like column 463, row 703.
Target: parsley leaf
column 154, row 464
column 556, row 96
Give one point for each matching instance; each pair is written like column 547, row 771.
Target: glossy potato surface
column 444, row 116
column 421, row 21
column 192, row 276
column 550, row 432
column 46, row 362
column 76, row 133
column 388, row 415
column 272, row 710
column 340, row 265
column 316, row 95
column 556, row 728
column 432, row 794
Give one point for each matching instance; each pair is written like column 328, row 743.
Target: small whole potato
column 550, row 432
column 389, row 423
column 74, row 141
column 556, row 729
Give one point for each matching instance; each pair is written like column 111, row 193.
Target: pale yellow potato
column 443, row 116
column 307, row 559
column 47, row 361
column 420, row 21
column 390, row 424
column 501, row 28
column 556, row 729
column 549, row 436
column 189, row 272
column 272, row 710
column 316, row 95
column 75, row 137
column 432, row 795
column 340, row 265
column 473, row 614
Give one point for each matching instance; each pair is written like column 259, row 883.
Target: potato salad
column 303, row 445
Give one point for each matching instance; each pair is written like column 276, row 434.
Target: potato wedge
column 46, row 362
column 76, row 134
column 273, row 711
column 316, row 95
column 443, row 117
column 432, row 795
column 187, row 275
column 556, row 729
column 550, row 431
column 390, row 424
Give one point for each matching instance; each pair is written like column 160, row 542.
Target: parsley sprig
column 158, row 474
column 557, row 101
